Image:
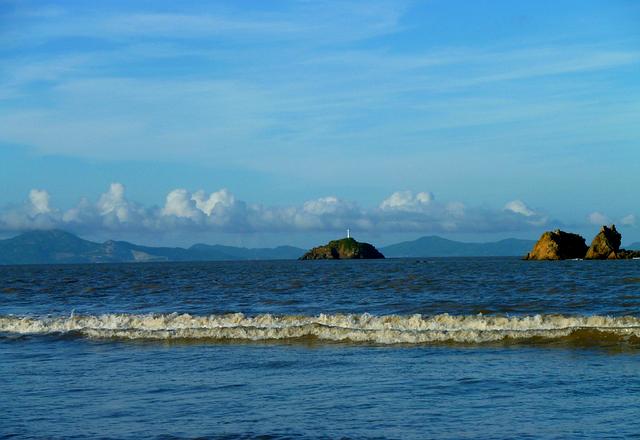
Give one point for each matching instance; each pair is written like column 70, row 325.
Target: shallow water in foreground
column 446, row 348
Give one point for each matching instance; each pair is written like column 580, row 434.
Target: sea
column 447, row 348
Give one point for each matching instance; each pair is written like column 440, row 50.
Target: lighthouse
column 348, row 233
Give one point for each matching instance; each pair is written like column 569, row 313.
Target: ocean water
column 490, row 348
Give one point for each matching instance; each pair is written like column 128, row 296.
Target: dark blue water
column 436, row 348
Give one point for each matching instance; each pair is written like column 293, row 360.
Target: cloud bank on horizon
column 221, row 211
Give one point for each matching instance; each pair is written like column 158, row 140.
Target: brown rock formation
column 558, row 245
column 605, row 245
column 345, row 249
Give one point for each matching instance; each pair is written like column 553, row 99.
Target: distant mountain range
column 51, row 247
column 434, row 246
column 634, row 246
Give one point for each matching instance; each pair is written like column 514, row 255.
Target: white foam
column 392, row 329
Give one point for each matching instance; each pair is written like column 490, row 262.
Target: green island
column 343, row 249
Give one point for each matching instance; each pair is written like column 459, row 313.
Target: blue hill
column 434, row 246
column 55, row 246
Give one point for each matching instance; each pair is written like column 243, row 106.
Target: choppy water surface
column 447, row 348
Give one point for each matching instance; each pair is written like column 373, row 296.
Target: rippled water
column 446, row 348
column 432, row 286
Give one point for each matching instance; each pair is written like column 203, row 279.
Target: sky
column 262, row 123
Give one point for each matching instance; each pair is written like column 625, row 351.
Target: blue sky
column 474, row 120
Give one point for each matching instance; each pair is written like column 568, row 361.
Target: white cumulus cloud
column 519, row 207
column 628, row 220
column 180, row 203
column 407, row 201
column 207, row 204
column 39, row 201
column 113, row 204
column 327, row 205
column 598, row 219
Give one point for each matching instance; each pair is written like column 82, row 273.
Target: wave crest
column 358, row 328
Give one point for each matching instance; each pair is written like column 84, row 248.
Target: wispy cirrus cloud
column 205, row 118
column 242, row 88
column 309, row 21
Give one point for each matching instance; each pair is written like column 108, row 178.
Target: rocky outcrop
column 558, row 245
column 605, row 245
column 345, row 249
column 624, row 254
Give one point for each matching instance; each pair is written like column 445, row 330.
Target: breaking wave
column 355, row 328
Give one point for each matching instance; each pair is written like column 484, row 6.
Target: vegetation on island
column 344, row 249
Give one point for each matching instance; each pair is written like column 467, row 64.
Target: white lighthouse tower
column 348, row 233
